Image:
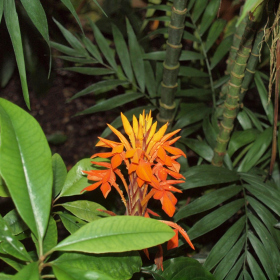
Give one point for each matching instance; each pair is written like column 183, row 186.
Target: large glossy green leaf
column 4, row 276
column 117, row 123
column 70, row 7
column 266, row 238
column 10, row 244
column 14, row 221
column 214, row 33
column 85, row 210
column 181, row 269
column 259, row 147
column 50, row 239
column 112, row 103
column 207, row 201
column 103, row 46
column 67, row 272
column 59, row 174
column 223, row 246
column 122, row 52
column 4, row 192
column 268, row 108
column 11, row 261
column 136, row 56
column 12, row 23
column 29, row 272
column 120, row 266
column 215, row 218
column 221, row 51
column 75, row 181
column 117, row 234
column 70, row 222
column 263, row 256
column 206, row 175
column 231, row 257
column 99, row 87
column 255, row 268
column 240, row 139
column 270, row 197
column 37, row 15
column 25, row 165
column 208, row 16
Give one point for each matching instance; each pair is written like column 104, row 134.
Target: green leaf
column 29, row 272
column 164, row 8
column 70, row 7
column 182, row 269
column 1, row 9
column 222, row 247
column 210, row 132
column 207, row 201
column 259, row 147
column 112, row 103
column 66, row 50
column 26, row 162
column 266, row 238
column 198, row 93
column 150, row 79
column 4, row 192
column 208, row 16
column 211, row 175
column 75, row 181
column 253, row 118
column 70, row 222
column 89, row 60
column 199, row 147
column 59, row 174
column 120, row 266
column 117, row 234
column 117, row 123
column 92, row 49
column 136, row 57
column 66, row 272
column 263, row 256
column 85, row 210
column 244, row 120
column 122, row 52
column 240, row 139
column 270, row 197
column 268, row 108
column 231, row 257
column 9, row 244
column 95, row 71
column 255, row 268
column 215, row 218
column 221, row 51
column 11, row 19
column 37, row 15
column 50, row 239
column 4, row 276
column 99, row 87
column 12, row 262
column 191, row 72
column 216, row 29
column 234, row 272
column 189, row 55
column 103, row 46
column 15, row 223
column 198, row 9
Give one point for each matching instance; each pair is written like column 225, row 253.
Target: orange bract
column 149, row 158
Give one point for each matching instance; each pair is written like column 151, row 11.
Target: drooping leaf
column 50, row 239
column 223, row 246
column 112, row 103
column 59, row 174
column 85, row 210
column 117, row 234
column 120, row 266
column 122, row 52
column 207, row 201
column 211, row 175
column 12, row 23
column 26, row 162
column 215, row 218
column 136, row 57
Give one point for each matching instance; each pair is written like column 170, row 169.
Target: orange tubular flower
column 149, row 158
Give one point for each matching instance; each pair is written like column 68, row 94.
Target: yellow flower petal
column 128, row 129
column 121, row 137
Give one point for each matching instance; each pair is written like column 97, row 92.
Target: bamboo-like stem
column 231, row 103
column 171, row 63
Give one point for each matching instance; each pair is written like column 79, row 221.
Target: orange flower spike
column 156, row 138
column 128, row 130
column 121, row 137
column 174, row 241
column 135, row 125
column 107, row 143
column 152, row 132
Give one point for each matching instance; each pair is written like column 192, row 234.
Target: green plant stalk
column 171, row 63
column 252, row 64
column 231, row 103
